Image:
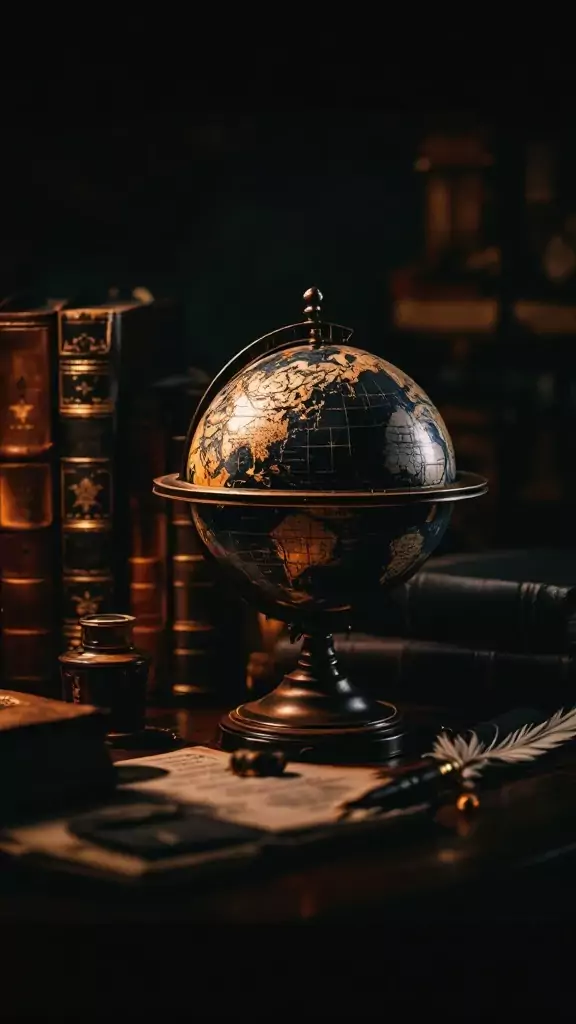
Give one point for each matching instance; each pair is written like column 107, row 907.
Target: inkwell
column 107, row 671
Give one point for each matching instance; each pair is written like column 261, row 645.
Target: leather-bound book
column 193, row 605
column 113, row 531
column 50, row 752
column 148, row 537
column 190, row 630
column 206, row 625
column 29, row 574
column 522, row 601
column 430, row 673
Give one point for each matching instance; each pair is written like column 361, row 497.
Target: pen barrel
column 412, row 785
column 428, row 780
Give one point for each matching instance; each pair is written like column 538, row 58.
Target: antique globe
column 318, row 475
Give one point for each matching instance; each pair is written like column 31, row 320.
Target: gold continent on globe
column 335, row 417
column 332, row 419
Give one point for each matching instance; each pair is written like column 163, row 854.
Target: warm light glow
column 467, row 802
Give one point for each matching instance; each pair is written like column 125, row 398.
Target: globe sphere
column 302, row 565
column 321, row 419
column 327, row 418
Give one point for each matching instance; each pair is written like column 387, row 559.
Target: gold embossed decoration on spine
column 86, row 388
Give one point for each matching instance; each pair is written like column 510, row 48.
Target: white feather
column 525, row 744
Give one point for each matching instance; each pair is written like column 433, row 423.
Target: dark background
column 235, row 199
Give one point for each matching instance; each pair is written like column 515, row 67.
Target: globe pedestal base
column 364, row 745
column 316, row 715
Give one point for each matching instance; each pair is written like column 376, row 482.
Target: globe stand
column 315, row 714
column 275, row 496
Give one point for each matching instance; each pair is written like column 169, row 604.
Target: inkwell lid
column 110, row 632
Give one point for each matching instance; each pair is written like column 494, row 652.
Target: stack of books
column 80, row 531
column 469, row 630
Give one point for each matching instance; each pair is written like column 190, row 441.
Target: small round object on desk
column 258, row 762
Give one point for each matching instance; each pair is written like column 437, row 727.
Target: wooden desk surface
column 525, row 828
column 462, row 909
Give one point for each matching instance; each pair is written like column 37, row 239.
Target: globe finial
column 313, row 299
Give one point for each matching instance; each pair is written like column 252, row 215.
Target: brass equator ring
column 466, row 485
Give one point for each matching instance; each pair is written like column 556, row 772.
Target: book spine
column 29, row 593
column 112, row 446
column 193, row 602
column 441, row 674
column 480, row 613
column 88, row 390
column 147, row 534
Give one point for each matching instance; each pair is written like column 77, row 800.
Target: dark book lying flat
column 521, row 601
column 50, row 753
column 440, row 674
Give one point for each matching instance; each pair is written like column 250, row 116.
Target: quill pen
column 460, row 760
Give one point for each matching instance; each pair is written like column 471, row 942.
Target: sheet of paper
column 306, row 795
